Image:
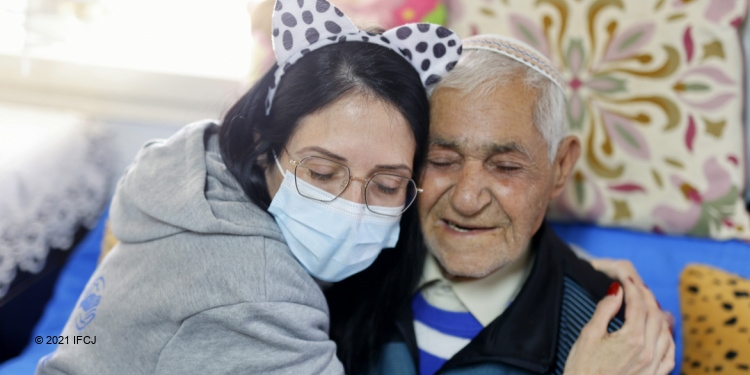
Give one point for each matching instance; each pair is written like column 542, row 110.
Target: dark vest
column 534, row 334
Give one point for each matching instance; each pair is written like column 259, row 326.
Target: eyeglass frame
column 366, row 182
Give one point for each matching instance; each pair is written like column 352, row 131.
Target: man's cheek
column 433, row 187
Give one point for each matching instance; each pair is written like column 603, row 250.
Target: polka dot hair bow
column 302, row 26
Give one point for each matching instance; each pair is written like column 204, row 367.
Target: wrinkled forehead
column 499, row 122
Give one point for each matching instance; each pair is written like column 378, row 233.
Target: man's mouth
column 462, row 228
column 457, row 228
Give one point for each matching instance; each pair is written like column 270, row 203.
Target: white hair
column 480, row 72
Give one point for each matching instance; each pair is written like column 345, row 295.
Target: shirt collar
column 488, row 297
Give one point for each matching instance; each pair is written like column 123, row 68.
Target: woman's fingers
column 656, row 324
column 667, row 360
column 670, row 320
column 605, row 311
column 636, row 308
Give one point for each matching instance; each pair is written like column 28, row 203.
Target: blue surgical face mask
column 332, row 240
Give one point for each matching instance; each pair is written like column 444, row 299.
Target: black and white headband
column 302, row 26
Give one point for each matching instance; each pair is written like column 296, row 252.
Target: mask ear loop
column 276, row 159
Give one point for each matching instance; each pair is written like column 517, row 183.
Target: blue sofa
column 658, row 258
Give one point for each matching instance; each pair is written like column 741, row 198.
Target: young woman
column 224, row 229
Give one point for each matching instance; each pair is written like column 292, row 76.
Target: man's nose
column 471, row 193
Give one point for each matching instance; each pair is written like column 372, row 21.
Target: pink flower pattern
column 655, row 96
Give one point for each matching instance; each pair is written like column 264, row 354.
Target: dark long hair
column 248, row 138
column 365, row 307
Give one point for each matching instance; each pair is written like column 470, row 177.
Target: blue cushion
column 70, row 284
column 659, row 259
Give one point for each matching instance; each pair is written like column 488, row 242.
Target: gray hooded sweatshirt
column 201, row 281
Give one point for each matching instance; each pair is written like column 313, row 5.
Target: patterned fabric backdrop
column 655, row 93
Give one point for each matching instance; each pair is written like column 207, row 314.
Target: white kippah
column 516, row 50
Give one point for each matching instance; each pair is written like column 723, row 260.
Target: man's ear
column 568, row 152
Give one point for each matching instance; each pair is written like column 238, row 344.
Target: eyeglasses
column 385, row 193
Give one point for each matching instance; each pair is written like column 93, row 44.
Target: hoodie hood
column 182, row 185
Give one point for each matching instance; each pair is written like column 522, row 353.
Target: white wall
column 135, row 106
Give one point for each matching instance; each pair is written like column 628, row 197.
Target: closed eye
column 320, row 176
column 441, row 163
column 387, row 190
column 506, row 167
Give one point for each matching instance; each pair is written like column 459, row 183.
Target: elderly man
column 497, row 292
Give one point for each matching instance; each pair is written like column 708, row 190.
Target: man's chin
column 458, row 270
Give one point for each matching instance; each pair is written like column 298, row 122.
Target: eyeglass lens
column 385, row 193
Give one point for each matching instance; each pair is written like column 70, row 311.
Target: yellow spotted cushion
column 655, row 93
column 715, row 308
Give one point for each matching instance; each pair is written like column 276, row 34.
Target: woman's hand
column 643, row 345
column 620, row 269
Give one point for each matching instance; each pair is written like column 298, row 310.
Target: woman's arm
column 252, row 338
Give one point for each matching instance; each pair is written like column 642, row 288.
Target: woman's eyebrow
column 393, row 167
column 339, row 158
column 323, row 151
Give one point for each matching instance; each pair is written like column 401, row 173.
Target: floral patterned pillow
column 655, row 93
